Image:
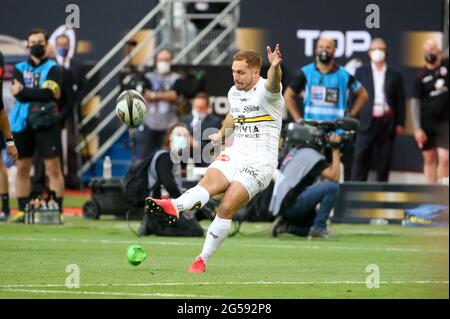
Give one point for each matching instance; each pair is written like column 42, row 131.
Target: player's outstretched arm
column 273, row 83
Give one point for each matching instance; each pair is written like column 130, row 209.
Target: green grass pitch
column 412, row 263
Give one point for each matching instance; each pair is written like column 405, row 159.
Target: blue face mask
column 179, row 143
column 62, row 52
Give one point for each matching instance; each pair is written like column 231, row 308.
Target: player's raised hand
column 274, row 56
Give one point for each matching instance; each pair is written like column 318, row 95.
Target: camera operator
column 306, row 179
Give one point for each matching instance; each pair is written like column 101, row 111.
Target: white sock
column 194, row 198
column 217, row 232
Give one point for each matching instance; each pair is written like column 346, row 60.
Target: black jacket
column 208, row 123
column 395, row 96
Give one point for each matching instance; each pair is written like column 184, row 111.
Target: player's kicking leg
column 213, row 183
column 234, row 199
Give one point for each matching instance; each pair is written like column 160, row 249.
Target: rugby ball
column 130, row 108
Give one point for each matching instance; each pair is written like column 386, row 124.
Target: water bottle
column 190, row 170
column 107, row 168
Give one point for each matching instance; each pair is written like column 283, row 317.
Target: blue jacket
column 326, row 95
column 32, row 77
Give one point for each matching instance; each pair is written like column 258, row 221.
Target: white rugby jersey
column 257, row 115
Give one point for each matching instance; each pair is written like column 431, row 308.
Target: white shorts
column 254, row 175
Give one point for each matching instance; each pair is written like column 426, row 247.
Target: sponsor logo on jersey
column 260, row 185
column 247, row 129
column 250, row 171
column 214, row 236
column 251, row 108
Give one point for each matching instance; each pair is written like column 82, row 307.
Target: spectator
column 64, row 49
column 382, row 118
column 165, row 171
column 298, row 191
column 5, row 131
column 36, row 84
column 201, row 124
column 161, row 103
column 69, row 104
column 430, row 112
column 326, row 85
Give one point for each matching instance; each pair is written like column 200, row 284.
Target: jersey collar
column 30, row 61
column 255, row 86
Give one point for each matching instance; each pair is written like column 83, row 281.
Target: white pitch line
column 236, row 283
column 442, row 234
column 78, row 292
column 176, row 243
column 386, row 232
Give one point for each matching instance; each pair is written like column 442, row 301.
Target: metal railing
column 232, row 5
column 193, row 52
column 126, row 38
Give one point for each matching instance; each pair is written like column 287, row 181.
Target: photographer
column 164, row 171
column 306, row 180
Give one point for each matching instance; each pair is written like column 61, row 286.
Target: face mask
column 62, row 52
column 163, row 67
column 37, row 50
column 430, row 57
column 377, row 55
column 179, row 143
column 324, row 57
column 198, row 115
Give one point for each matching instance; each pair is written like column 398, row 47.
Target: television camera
column 316, row 134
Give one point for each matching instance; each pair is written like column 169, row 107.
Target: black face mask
column 324, row 57
column 37, row 50
column 430, row 57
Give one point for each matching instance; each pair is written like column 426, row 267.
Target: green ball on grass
column 135, row 255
